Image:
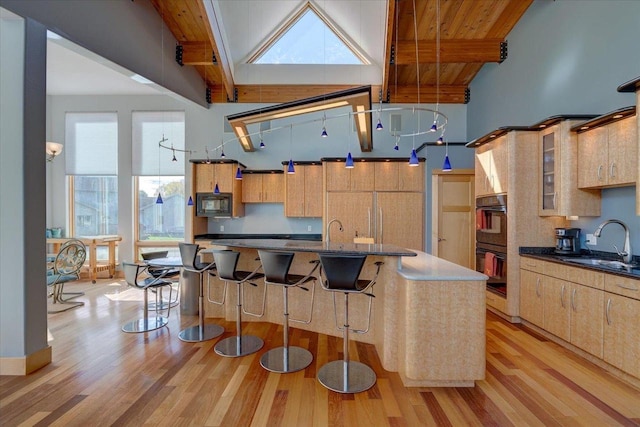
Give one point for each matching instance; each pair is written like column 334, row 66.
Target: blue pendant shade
column 190, row 202
column 379, row 125
column 262, row 144
column 349, row 163
column 434, row 126
column 446, row 167
column 159, row 199
column 396, row 147
column 216, row 190
column 222, row 156
column 174, row 157
column 239, row 174
column 440, row 141
column 413, row 161
column 290, row 168
column 324, row 132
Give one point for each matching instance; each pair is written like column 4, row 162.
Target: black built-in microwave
column 213, row 205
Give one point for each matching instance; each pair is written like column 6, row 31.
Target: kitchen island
column 428, row 321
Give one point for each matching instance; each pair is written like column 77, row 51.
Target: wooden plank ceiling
column 472, row 33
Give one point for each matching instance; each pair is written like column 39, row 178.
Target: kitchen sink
column 600, row 262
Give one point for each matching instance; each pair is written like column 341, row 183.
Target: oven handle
column 484, row 251
column 492, row 208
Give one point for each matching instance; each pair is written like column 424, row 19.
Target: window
column 156, row 174
column 91, row 159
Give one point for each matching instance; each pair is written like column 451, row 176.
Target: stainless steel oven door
column 496, row 270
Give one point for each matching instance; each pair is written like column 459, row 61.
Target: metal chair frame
column 276, row 267
column 146, row 324
column 66, row 267
column 200, row 332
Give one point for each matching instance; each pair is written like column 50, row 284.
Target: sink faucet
column 329, row 228
column 626, row 250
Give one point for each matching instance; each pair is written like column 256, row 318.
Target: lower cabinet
column 622, row 333
column 602, row 319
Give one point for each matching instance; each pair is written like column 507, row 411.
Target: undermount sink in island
column 428, row 320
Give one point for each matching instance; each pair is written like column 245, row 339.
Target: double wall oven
column 491, row 241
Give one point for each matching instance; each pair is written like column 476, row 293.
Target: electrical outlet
column 222, row 228
column 308, row 228
column 591, row 240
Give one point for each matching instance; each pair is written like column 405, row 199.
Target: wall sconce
column 53, row 149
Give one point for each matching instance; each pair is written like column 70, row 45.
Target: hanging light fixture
column 349, row 163
column 239, row 174
column 413, row 160
column 174, row 156
column 446, row 166
column 53, row 149
column 290, row 168
column 324, row 128
column 396, row 146
column 349, row 160
column 261, row 141
column 379, row 125
column 190, row 201
column 216, row 190
column 159, row 199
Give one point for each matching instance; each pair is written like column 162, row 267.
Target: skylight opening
column 308, row 38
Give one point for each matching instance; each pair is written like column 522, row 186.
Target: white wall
column 566, row 57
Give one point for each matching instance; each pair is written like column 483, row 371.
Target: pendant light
column 238, row 174
column 349, row 160
column 190, row 202
column 324, row 128
column 446, row 165
column 379, row 125
column 290, row 168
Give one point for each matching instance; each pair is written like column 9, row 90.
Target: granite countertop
column 311, row 237
column 316, row 246
column 548, row 254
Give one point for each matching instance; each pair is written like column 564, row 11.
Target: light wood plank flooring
column 102, row 376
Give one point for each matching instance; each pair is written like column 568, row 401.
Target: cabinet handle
column 599, row 172
column 486, row 181
column 611, row 169
column 607, row 311
column 531, row 265
column 538, row 287
column 562, row 296
column 381, row 225
column 369, row 220
column 555, row 195
column 630, row 288
column 573, row 299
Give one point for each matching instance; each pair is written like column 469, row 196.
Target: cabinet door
column 204, row 178
column 363, row 176
column 556, row 307
column 482, row 170
column 386, row 176
column 587, row 318
column 622, row 333
column 623, row 152
column 592, row 158
column 272, row 188
column 354, row 210
column 252, row 188
column 549, row 183
column 313, row 191
column 499, row 166
column 410, row 178
column 400, row 219
column 295, row 193
column 531, row 299
column 338, row 177
column 224, row 175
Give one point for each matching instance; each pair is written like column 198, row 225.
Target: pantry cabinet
column 303, row 191
column 608, row 151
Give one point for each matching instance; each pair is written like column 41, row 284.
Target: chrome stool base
column 237, row 346
column 145, row 325
column 356, row 378
column 195, row 334
column 283, row 360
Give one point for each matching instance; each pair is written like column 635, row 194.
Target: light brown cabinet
column 207, row 175
column 399, row 219
column 265, row 187
column 491, row 166
column 557, row 314
column 558, row 181
column 303, row 191
column 354, row 211
column 398, row 176
column 608, row 155
column 531, row 297
column 358, row 178
column 586, row 318
column 622, row 333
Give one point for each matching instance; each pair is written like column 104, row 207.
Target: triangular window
column 308, row 38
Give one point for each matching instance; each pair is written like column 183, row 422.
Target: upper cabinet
column 492, row 168
column 608, row 150
column 634, row 86
column 557, row 182
column 208, row 174
column 303, row 191
column 398, row 176
column 340, row 178
column 263, row 187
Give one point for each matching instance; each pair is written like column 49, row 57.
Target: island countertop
column 317, row 247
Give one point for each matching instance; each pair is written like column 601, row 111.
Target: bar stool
column 276, row 267
column 238, row 345
column 341, row 274
column 190, row 262
column 146, row 324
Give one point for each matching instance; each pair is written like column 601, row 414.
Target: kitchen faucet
column 626, row 250
column 329, row 228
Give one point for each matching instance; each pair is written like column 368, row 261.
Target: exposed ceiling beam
column 391, row 22
column 197, row 53
column 208, row 12
column 451, row 51
column 448, row 94
column 288, row 93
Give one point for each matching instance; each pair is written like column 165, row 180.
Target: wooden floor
column 102, row 376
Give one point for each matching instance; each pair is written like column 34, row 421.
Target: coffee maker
column 567, row 241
